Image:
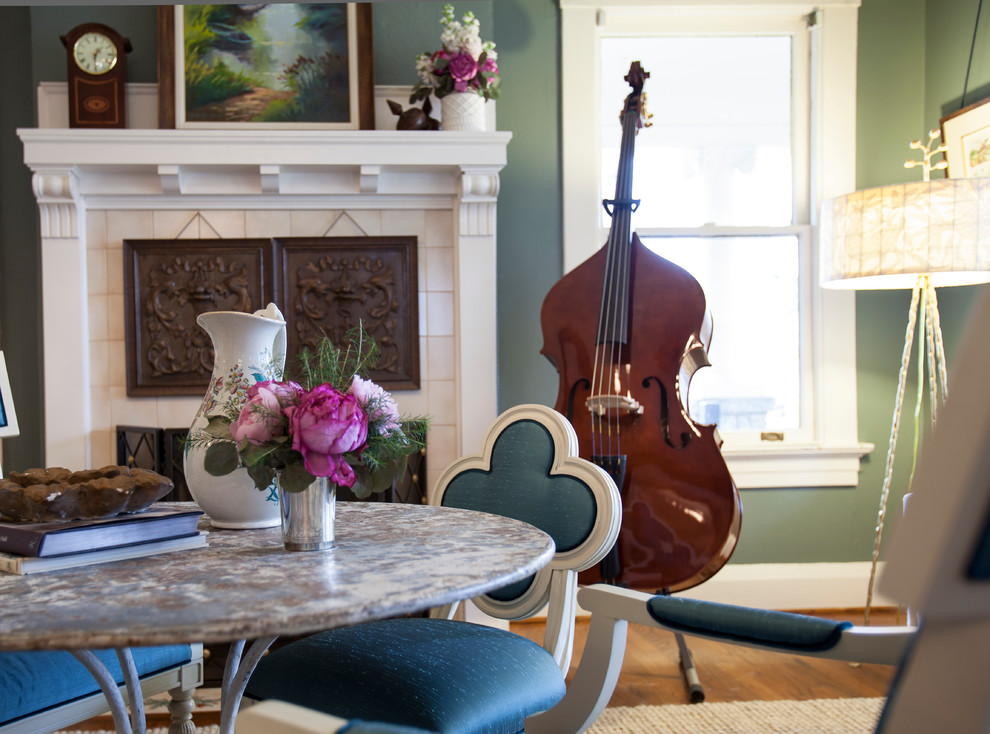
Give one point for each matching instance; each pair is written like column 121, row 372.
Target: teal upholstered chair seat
column 33, row 683
column 441, row 675
column 278, row 717
column 450, row 676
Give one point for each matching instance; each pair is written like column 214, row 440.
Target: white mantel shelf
column 393, row 148
column 214, row 164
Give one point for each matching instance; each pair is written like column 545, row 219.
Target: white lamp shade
column 886, row 237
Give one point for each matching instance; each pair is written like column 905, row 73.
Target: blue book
column 76, row 536
column 13, row 563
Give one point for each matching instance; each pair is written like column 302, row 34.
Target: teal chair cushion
column 519, row 485
column 375, row 727
column 783, row 630
column 31, row 682
column 439, row 675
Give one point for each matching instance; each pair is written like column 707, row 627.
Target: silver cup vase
column 308, row 516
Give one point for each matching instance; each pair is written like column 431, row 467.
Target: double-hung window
column 753, row 124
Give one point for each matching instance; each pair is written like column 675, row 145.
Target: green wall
column 20, row 258
column 912, row 62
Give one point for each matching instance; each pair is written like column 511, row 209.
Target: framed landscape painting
column 966, row 135
column 266, row 66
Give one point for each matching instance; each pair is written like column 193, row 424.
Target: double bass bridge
column 603, row 404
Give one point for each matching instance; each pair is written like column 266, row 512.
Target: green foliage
column 295, row 478
column 336, row 366
column 320, row 87
column 324, row 18
column 207, row 82
column 221, row 458
column 213, row 83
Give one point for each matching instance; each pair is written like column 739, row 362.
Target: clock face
column 94, row 53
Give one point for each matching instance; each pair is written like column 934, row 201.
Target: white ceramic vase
column 248, row 348
column 462, row 111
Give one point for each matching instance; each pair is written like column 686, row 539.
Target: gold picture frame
column 966, row 134
column 258, row 69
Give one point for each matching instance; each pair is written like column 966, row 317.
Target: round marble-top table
column 389, row 560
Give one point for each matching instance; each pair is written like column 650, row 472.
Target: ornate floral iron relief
column 330, row 284
column 324, row 284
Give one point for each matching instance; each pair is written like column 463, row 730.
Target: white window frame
column 832, row 457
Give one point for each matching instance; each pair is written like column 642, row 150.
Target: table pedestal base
column 240, row 666
column 118, row 708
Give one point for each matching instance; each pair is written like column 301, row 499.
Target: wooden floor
column 651, row 672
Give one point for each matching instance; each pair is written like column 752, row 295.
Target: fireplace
column 97, row 188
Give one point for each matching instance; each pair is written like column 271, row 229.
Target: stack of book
column 49, row 546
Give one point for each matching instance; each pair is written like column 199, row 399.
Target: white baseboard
column 789, row 586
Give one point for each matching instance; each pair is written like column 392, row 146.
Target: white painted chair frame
column 613, row 608
column 555, row 586
column 180, row 681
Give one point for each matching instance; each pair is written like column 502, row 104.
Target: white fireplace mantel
column 217, row 168
column 392, row 175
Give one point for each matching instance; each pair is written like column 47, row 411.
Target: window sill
column 798, row 465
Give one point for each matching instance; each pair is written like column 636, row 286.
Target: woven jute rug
column 818, row 716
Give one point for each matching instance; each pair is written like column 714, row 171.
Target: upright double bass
column 626, row 330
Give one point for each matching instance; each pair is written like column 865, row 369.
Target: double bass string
column 613, row 319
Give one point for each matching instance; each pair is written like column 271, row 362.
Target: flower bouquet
column 331, row 423
column 464, row 64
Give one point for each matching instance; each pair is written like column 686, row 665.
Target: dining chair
column 44, row 691
column 445, row 675
column 279, row 717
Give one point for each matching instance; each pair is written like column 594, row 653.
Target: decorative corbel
column 171, row 178
column 369, row 179
column 479, row 194
column 57, row 193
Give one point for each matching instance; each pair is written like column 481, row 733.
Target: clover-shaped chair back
column 529, row 470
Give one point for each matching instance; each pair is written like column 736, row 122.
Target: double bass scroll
column 626, row 330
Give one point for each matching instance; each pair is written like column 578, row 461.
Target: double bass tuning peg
column 645, row 118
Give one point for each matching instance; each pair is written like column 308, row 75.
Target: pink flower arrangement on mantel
column 464, row 64
column 340, row 425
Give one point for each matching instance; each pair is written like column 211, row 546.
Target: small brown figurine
column 414, row 118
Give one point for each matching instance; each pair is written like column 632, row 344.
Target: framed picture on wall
column 8, row 418
column 966, row 135
column 266, row 66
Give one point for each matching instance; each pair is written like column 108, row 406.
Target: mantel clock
column 97, row 75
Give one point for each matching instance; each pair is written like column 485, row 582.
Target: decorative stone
column 54, row 494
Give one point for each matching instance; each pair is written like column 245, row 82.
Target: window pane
column 719, row 150
column 751, row 284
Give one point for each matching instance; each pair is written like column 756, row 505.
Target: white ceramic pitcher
column 248, row 348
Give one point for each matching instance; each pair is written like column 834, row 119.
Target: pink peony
column 377, row 403
column 490, row 65
column 262, row 417
column 326, row 425
column 463, row 67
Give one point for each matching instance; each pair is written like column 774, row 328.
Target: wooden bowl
column 54, row 494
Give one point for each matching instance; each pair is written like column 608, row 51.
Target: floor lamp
column 920, row 236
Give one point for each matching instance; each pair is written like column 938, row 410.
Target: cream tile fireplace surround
column 97, row 188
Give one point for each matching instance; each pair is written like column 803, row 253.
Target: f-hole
column 585, row 383
column 664, row 414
